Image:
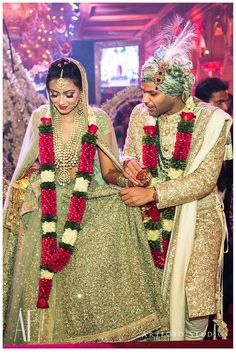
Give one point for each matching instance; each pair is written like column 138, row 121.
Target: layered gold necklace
column 67, row 155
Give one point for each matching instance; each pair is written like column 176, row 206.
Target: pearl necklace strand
column 67, row 155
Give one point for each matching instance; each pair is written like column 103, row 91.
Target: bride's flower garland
column 159, row 223
column 54, row 258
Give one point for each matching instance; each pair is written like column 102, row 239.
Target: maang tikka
column 61, row 83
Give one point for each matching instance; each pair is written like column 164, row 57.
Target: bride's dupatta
column 14, row 205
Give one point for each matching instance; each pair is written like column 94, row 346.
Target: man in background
column 215, row 91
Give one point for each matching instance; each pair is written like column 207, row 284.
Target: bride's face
column 64, row 99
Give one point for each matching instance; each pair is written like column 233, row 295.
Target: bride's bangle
column 122, row 181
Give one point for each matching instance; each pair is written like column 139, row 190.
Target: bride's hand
column 131, row 169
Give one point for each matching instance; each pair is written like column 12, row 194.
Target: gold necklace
column 67, row 155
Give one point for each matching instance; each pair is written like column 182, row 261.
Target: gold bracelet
column 122, row 181
column 155, row 195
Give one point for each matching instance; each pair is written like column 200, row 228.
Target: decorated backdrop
column 20, row 99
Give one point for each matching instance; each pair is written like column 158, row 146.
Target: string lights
column 45, row 30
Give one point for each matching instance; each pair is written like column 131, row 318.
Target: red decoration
column 151, row 130
column 144, row 176
column 153, row 211
column 76, row 209
column 92, row 129
column 182, row 146
column 187, row 116
column 49, row 246
column 45, row 286
column 149, row 156
column 86, row 158
column 48, row 202
column 45, row 120
column 59, row 260
column 46, row 149
column 158, row 258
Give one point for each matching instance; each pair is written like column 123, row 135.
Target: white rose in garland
column 81, row 184
column 167, row 224
column 153, row 235
column 69, row 236
column 48, row 176
column 48, row 226
column 46, row 274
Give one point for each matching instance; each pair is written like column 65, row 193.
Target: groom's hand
column 137, row 196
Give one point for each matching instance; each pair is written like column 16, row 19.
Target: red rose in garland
column 187, row 116
column 150, row 130
column 153, row 212
column 49, row 206
column 92, row 129
column 45, row 120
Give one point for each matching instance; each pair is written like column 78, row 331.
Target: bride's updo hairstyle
column 66, row 69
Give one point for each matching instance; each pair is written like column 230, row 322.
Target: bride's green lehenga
column 108, row 292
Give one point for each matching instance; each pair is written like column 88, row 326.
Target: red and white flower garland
column 54, row 258
column 159, row 223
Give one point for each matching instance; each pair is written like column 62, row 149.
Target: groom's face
column 157, row 102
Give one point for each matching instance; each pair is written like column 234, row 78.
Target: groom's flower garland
column 159, row 223
column 54, row 258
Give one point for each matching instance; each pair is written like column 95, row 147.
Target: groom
column 174, row 151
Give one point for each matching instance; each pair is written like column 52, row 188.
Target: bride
column 77, row 265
